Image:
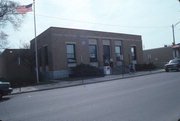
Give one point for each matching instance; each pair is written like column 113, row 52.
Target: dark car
column 173, row 65
column 5, row 89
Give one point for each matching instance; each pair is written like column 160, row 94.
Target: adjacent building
column 176, row 50
column 17, row 65
column 59, row 49
column 160, row 56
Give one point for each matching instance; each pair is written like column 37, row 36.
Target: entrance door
column 106, row 56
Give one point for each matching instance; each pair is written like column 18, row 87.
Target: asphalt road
column 146, row 98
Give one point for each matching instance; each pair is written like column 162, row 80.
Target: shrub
column 145, row 67
column 3, row 79
column 85, row 70
column 18, row 82
column 22, row 83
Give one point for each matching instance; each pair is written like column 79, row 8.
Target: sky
column 152, row 19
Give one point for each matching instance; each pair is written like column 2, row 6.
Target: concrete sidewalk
column 63, row 84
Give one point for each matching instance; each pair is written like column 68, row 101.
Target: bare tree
column 26, row 55
column 24, row 45
column 8, row 15
column 3, row 40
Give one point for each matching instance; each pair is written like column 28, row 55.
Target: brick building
column 59, row 49
column 160, row 56
column 17, row 65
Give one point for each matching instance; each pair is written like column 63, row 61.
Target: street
column 153, row 97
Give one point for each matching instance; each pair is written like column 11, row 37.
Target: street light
column 174, row 25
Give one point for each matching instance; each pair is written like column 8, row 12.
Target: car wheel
column 178, row 69
column 1, row 95
column 167, row 70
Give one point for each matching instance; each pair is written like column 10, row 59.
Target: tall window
column 46, row 55
column 118, row 52
column 92, row 53
column 71, row 57
column 39, row 57
column 133, row 53
column 106, row 49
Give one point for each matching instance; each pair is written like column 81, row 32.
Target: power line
column 104, row 24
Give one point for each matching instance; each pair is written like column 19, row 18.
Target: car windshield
column 174, row 61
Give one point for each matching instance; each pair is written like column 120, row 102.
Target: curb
column 80, row 84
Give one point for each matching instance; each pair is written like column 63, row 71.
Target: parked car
column 5, row 89
column 173, row 65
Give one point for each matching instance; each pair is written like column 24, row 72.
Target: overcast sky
column 152, row 19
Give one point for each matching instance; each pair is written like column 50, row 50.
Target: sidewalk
column 63, row 84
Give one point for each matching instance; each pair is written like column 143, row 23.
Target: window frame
column 92, row 59
column 74, row 53
column 40, row 57
column 120, row 53
column 46, row 56
column 134, row 53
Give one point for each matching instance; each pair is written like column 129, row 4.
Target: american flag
column 24, row 9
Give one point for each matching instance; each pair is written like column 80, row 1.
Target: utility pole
column 174, row 41
column 173, row 26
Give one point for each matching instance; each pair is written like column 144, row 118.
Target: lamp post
column 174, row 25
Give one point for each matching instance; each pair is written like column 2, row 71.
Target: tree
column 8, row 15
column 27, row 56
column 3, row 40
column 24, row 45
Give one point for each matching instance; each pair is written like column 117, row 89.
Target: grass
column 46, row 82
column 32, row 83
column 78, row 78
column 18, row 83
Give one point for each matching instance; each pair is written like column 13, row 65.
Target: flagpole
column 36, row 47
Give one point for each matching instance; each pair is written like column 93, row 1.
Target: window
column 106, row 49
column 92, row 53
column 71, row 57
column 46, row 55
column 133, row 52
column 39, row 57
column 118, row 52
column 43, row 56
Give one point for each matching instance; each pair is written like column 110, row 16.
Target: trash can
column 107, row 70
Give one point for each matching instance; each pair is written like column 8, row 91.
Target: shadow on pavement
column 4, row 99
